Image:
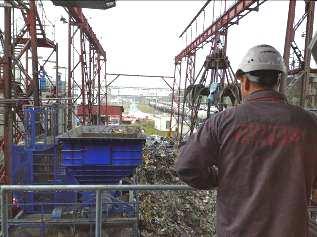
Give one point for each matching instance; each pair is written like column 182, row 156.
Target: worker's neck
column 258, row 89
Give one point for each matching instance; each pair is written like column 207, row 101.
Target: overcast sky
column 141, row 37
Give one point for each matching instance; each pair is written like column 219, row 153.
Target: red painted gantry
column 91, row 55
column 78, row 16
column 230, row 17
column 297, row 60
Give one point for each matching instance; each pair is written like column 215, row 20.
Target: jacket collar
column 266, row 95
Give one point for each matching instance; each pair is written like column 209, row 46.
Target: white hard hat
column 262, row 57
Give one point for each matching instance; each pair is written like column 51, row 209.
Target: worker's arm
column 197, row 157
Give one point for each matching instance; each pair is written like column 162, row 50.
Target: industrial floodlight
column 93, row 4
column 313, row 47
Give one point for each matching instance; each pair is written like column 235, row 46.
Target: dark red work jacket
column 266, row 154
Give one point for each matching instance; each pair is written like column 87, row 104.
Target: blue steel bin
column 100, row 154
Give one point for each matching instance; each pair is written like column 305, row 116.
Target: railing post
column 4, row 213
column 98, row 224
column 136, row 213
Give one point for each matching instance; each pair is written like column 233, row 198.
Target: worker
column 261, row 155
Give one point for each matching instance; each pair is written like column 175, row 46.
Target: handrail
column 4, row 189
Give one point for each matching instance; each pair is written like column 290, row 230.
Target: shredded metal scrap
column 180, row 213
column 95, row 131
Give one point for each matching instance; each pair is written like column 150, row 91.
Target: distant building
column 162, row 122
column 113, row 112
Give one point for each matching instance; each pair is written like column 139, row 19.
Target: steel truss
column 86, row 64
column 21, row 69
column 300, row 87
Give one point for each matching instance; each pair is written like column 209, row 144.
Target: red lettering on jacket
column 267, row 134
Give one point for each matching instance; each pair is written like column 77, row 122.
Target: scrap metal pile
column 180, row 213
column 99, row 131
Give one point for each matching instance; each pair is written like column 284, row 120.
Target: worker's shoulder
column 232, row 111
column 300, row 112
column 226, row 114
column 304, row 115
column 297, row 112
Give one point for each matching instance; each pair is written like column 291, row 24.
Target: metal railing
column 98, row 189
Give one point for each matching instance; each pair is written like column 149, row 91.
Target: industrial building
column 68, row 159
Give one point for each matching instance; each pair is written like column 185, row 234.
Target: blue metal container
column 99, row 154
column 84, row 155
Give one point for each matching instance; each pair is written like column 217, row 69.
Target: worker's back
column 265, row 152
column 267, row 165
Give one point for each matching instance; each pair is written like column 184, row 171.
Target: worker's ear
column 246, row 84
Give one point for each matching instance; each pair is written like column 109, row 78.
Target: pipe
column 139, row 187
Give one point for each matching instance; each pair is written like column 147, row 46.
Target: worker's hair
column 266, row 78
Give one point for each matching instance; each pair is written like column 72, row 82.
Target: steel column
column 310, row 9
column 178, row 72
column 172, row 107
column 27, row 61
column 32, row 28
column 106, row 87
column 56, row 72
column 83, row 75
column 190, row 77
column 289, row 38
column 7, row 74
column 99, row 88
column 98, row 225
column 69, row 82
column 4, row 214
column 88, row 83
column 301, row 63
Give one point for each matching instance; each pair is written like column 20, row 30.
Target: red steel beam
column 289, row 38
column 310, row 9
column 222, row 22
column 41, row 42
column 290, row 32
column 80, row 19
column 31, row 17
column 83, row 73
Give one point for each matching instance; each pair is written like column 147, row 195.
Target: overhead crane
column 189, row 82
